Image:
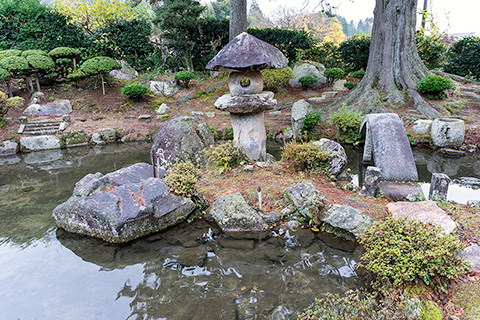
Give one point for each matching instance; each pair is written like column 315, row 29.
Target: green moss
column 430, row 311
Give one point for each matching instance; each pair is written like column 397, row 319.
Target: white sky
column 453, row 16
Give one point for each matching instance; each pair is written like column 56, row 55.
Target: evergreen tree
column 221, row 8
column 179, row 20
column 256, row 19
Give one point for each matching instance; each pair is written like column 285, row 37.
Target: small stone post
column 439, row 187
column 373, row 176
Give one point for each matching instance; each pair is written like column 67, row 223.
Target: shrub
column 274, row 79
column 15, row 102
column 14, row 64
column 353, row 307
column 99, row 65
column 9, row 53
column 464, row 57
column 32, row 52
column 40, row 62
column 326, row 53
column 348, row 122
column 354, row 52
column 181, row 178
column 402, row 251
column 287, row 41
column 64, row 52
column 349, row 85
column 307, row 81
column 431, row 50
column 135, row 91
column 225, row 156
column 358, row 74
column 310, row 122
column 184, row 77
column 334, row 74
column 434, row 86
column 4, row 74
column 304, row 155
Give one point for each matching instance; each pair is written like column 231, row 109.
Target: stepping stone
column 472, row 254
column 397, row 191
column 424, row 211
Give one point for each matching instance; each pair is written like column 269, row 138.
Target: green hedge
column 464, row 57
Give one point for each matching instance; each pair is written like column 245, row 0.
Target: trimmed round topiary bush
column 4, row 74
column 14, row 64
column 358, row 74
column 334, row 74
column 33, row 52
column 434, row 86
column 184, row 77
column 274, row 79
column 64, row 52
column 40, row 62
column 99, row 65
column 349, row 85
column 10, row 53
column 135, row 91
column 307, row 81
column 401, row 251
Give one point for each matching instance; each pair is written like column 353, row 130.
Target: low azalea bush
column 304, row 155
column 225, row 156
column 434, row 86
column 401, row 252
column 181, row 178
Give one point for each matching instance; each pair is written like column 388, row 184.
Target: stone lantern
column 244, row 57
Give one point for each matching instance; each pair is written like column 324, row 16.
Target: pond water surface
column 188, row 272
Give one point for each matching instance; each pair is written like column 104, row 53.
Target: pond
column 188, row 272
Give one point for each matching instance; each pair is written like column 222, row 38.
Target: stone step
column 40, row 133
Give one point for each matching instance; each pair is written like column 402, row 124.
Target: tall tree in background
column 179, row 19
column 256, row 19
column 238, row 18
column 393, row 64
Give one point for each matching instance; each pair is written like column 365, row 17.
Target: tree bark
column 238, row 18
column 393, row 64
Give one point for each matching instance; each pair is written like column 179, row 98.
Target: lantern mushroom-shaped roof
column 246, row 52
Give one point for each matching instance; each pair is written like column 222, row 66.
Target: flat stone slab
column 40, row 143
column 472, row 254
column 246, row 103
column 397, row 191
column 55, row 108
column 387, row 145
column 424, row 211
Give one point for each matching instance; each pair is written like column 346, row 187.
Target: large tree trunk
column 238, row 18
column 393, row 64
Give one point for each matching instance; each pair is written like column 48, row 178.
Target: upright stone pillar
column 439, row 187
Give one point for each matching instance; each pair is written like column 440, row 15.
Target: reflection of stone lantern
column 245, row 56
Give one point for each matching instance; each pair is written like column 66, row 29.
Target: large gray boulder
column 39, row 143
column 347, row 218
column 166, row 88
column 181, row 138
column 55, row 108
column 337, row 159
column 472, row 255
column 8, row 148
column 122, row 205
column 448, row 132
column 306, row 199
column 126, row 73
column 237, row 219
column 308, row 69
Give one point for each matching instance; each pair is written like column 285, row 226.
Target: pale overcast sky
column 454, row 16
